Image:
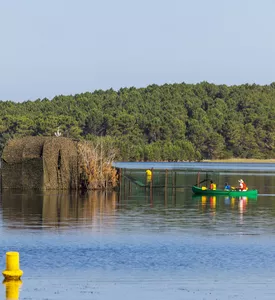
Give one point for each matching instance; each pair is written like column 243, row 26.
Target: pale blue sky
column 53, row 47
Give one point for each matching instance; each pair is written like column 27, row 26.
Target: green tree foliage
column 172, row 122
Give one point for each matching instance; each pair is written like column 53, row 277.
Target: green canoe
column 199, row 191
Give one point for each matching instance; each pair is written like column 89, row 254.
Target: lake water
column 139, row 243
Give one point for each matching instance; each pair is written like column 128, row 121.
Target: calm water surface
column 141, row 244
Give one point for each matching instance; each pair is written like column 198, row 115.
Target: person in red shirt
column 242, row 185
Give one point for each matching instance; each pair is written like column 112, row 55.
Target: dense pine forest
column 172, row 122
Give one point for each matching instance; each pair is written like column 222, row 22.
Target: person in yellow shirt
column 148, row 176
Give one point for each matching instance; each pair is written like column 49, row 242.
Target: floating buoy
column 12, row 271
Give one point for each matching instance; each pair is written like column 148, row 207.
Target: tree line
column 171, row 122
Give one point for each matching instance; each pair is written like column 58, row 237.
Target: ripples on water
column 133, row 245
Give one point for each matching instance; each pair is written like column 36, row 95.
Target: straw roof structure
column 40, row 162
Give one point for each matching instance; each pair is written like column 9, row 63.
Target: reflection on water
column 225, row 201
column 143, row 209
column 12, row 289
column 141, row 243
column 239, row 204
column 138, row 211
column 52, row 209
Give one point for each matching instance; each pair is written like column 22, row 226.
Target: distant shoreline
column 241, row 160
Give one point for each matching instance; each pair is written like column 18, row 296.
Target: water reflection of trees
column 55, row 209
column 74, row 208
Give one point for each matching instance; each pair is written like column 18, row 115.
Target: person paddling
column 212, row 185
column 227, row 187
column 242, row 185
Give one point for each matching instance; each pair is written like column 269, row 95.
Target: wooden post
column 120, row 176
column 165, row 188
column 152, row 178
column 130, row 187
column 173, row 186
column 198, row 179
column 124, row 184
column 175, row 193
column 120, row 183
column 151, row 187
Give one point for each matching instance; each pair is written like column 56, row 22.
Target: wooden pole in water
column 152, row 178
column 119, row 186
column 151, row 187
column 173, row 186
column 165, row 189
column 175, row 193
column 130, row 185
column 120, row 176
column 198, row 179
column 124, row 184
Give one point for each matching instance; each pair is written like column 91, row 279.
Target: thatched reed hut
column 40, row 163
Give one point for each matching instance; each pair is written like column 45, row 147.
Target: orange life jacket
column 212, row 186
column 243, row 186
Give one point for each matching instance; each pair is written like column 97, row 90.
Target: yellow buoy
column 12, row 271
column 12, row 289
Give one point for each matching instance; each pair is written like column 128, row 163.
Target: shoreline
column 241, row 160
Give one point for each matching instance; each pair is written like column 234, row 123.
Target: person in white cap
column 242, row 185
